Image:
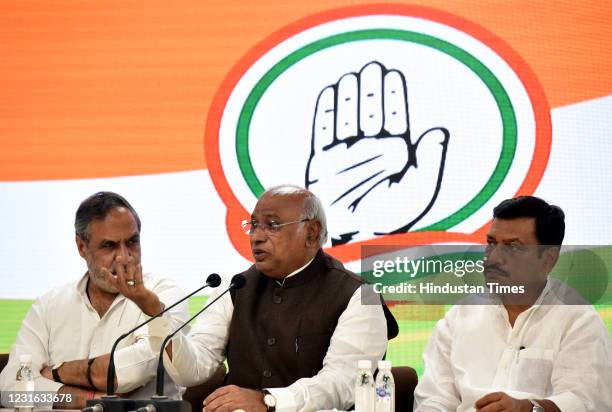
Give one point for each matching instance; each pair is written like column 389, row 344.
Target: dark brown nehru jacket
column 281, row 333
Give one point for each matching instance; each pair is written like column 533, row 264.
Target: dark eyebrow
column 513, row 240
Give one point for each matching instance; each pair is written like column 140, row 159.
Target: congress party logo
column 410, row 124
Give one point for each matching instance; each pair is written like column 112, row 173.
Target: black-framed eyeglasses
column 271, row 227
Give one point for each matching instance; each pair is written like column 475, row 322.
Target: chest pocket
column 533, row 371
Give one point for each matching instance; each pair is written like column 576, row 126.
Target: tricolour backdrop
column 411, row 120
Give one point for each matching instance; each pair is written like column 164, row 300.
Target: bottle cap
column 364, row 364
column 384, row 365
column 25, row 358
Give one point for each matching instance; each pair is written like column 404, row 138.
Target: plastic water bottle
column 24, row 383
column 364, row 387
column 385, row 388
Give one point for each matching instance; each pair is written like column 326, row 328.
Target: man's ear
column 313, row 231
column 550, row 255
column 81, row 246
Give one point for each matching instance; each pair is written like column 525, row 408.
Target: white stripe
column 579, row 171
column 184, row 235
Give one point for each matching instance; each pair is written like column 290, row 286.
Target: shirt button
column 271, row 341
column 267, row 373
column 277, row 299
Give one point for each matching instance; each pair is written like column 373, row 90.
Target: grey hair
column 312, row 208
column 97, row 206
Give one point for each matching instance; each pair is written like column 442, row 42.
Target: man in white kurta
column 554, row 351
column 62, row 326
column 537, row 352
column 70, row 330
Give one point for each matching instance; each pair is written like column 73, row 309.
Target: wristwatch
column 269, row 400
column 536, row 406
column 55, row 373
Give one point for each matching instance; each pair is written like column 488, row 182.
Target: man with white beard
column 69, row 331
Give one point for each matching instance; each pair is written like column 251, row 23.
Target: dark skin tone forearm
column 78, row 397
column 501, row 402
column 74, row 373
column 74, row 376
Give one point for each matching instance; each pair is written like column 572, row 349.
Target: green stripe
column 399, row 353
column 13, row 312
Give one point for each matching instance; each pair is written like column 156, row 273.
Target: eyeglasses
column 271, row 227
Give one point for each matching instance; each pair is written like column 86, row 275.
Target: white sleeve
column 436, row 390
column 32, row 339
column 195, row 357
column 136, row 364
column 361, row 333
column 582, row 370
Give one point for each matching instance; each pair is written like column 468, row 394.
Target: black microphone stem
column 110, row 377
column 160, row 364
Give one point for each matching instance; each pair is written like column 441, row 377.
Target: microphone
column 94, row 408
column 213, row 280
column 238, row 281
column 147, row 408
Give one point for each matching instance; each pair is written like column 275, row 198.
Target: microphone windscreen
column 238, row 281
column 213, row 280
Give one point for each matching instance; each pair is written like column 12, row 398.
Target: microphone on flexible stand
column 110, row 401
column 159, row 402
column 238, row 281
